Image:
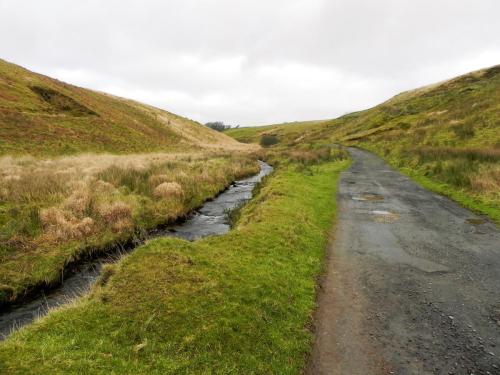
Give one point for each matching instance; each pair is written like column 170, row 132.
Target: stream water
column 211, row 219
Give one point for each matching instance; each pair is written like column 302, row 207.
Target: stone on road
column 412, row 284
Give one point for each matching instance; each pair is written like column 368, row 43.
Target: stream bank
column 209, row 220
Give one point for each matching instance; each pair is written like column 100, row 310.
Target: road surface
column 412, row 284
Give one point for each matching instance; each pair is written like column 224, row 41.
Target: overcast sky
column 252, row 62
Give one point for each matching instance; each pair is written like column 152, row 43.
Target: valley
column 341, row 260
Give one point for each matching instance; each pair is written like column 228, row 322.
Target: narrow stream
column 211, row 219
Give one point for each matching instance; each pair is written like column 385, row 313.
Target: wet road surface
column 412, row 284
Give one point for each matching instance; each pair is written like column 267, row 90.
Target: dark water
column 211, row 219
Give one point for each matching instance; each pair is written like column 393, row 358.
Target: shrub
column 218, row 126
column 267, row 140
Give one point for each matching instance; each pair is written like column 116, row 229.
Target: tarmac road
column 412, row 283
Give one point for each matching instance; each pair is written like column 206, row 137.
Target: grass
column 234, row 304
column 287, row 134
column 42, row 116
column 479, row 204
column 446, row 136
column 53, row 211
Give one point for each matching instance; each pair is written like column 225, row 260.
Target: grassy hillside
column 55, row 208
column 291, row 132
column 446, row 136
column 43, row 116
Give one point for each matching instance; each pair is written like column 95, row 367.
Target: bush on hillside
column 218, row 126
column 267, row 140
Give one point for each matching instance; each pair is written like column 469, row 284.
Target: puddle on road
column 385, row 216
column 368, row 197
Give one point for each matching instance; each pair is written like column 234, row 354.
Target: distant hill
column 445, row 135
column 461, row 112
column 43, row 116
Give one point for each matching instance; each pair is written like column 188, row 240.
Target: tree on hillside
column 218, row 125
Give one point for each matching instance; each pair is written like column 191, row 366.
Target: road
column 412, row 283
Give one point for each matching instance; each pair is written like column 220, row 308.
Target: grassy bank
column 239, row 303
column 54, row 210
column 470, row 177
column 446, row 136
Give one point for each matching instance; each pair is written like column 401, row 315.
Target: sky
column 251, row 62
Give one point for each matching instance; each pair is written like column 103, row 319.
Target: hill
column 43, row 116
column 446, row 136
column 74, row 195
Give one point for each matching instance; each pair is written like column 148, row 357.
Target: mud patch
column 60, row 102
column 385, row 216
column 476, row 221
column 368, row 197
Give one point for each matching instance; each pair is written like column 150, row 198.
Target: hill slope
column 447, row 136
column 43, row 116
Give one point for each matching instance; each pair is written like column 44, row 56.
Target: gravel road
column 412, row 284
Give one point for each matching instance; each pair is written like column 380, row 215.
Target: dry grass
column 118, row 216
column 168, row 190
column 48, row 206
column 485, row 154
column 487, row 180
column 61, row 225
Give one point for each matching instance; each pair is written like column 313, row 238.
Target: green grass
column 288, row 134
column 234, row 304
column 447, row 135
column 42, row 226
column 45, row 117
column 479, row 204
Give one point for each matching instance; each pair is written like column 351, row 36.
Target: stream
column 209, row 220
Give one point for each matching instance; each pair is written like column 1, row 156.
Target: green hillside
column 43, row 116
column 446, row 136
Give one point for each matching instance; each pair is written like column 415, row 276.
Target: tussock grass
column 167, row 190
column 53, row 210
column 233, row 304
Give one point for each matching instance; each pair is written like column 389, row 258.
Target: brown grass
column 168, row 190
column 52, row 209
column 487, row 180
column 62, row 225
column 118, row 216
column 469, row 153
